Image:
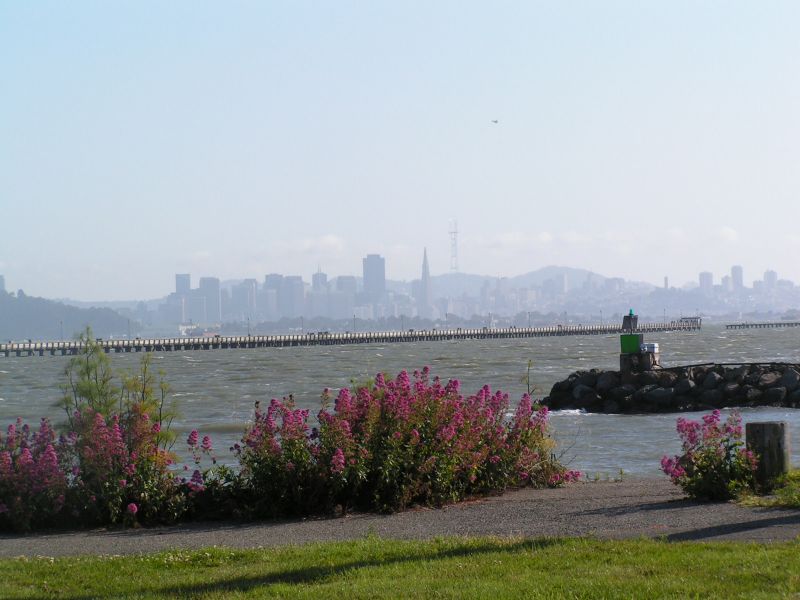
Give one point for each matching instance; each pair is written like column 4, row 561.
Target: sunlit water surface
column 216, row 390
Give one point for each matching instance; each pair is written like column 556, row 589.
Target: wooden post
column 771, row 442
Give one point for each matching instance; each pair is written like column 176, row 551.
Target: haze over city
column 636, row 141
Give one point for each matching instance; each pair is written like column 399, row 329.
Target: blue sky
column 141, row 139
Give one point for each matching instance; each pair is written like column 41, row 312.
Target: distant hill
column 456, row 284
column 24, row 317
column 112, row 304
column 575, row 277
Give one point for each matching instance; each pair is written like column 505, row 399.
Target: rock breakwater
column 679, row 389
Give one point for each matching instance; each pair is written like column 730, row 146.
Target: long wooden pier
column 184, row 344
column 764, row 325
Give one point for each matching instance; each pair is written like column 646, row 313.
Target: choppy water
column 216, row 389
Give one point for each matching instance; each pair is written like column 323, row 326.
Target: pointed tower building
column 425, row 297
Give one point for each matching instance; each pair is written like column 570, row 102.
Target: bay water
column 216, row 389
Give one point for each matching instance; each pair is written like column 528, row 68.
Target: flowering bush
column 384, row 446
column 198, row 449
column 32, row 482
column 111, row 465
column 119, row 464
column 212, row 492
column 118, row 445
column 714, row 465
column 280, row 472
column 393, row 443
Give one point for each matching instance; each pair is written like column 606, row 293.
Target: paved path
column 632, row 508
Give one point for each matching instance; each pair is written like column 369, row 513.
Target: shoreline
column 631, row 508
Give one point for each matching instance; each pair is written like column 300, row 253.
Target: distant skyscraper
column 174, row 309
column 737, row 278
column 273, row 281
column 319, row 282
column 347, row 284
column 238, row 307
column 727, row 283
column 243, row 299
column 770, row 279
column 425, row 298
column 183, row 283
column 2, row 284
column 209, row 289
column 225, row 303
column 271, row 293
column 196, row 307
column 706, row 281
column 251, row 285
column 666, row 283
column 268, row 304
column 317, row 304
column 340, row 305
column 374, row 267
column 342, row 300
column 291, row 297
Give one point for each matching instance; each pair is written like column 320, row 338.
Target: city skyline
column 734, row 279
column 51, row 287
column 207, row 305
column 284, row 297
column 633, row 140
column 369, row 298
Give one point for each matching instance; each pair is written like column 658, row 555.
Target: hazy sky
column 637, row 139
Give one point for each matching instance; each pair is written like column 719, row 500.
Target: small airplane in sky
column 495, row 121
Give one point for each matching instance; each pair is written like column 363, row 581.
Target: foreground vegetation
column 786, row 493
column 715, row 464
column 448, row 568
column 384, row 445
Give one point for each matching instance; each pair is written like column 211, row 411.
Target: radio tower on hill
column 454, row 245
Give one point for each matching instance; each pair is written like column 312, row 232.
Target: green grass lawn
column 448, row 568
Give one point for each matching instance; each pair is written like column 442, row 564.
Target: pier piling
column 769, row 440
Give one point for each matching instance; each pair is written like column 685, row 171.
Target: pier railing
column 181, row 344
column 763, row 325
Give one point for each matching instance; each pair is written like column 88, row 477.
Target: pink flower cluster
column 563, row 478
column 114, row 460
column 384, row 445
column 32, row 483
column 714, row 464
column 280, row 421
column 196, row 483
column 105, row 453
column 402, row 441
column 337, row 462
column 672, row 467
column 94, row 473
